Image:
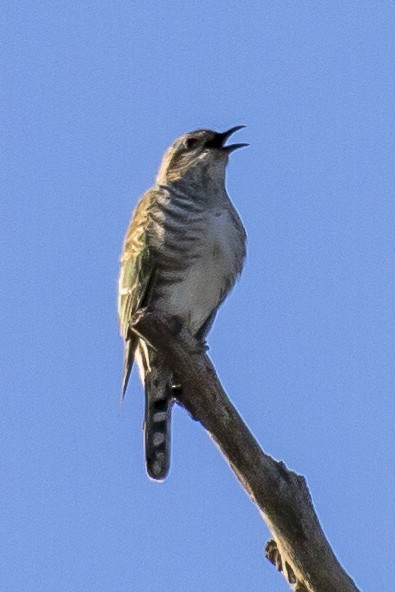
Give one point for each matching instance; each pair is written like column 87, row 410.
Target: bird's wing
column 135, row 277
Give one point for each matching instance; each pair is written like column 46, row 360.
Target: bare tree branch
column 299, row 549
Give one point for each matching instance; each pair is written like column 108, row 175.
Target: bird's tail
column 158, row 404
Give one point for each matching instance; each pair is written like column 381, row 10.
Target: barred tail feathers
column 158, row 404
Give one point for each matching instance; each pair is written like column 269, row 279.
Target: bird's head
column 197, row 158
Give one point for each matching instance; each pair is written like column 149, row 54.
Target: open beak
column 218, row 141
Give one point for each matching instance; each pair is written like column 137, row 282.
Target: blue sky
column 92, row 94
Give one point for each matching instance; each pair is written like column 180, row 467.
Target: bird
column 182, row 253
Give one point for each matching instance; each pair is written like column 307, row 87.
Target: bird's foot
column 202, row 346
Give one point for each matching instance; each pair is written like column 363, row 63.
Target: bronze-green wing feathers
column 135, row 277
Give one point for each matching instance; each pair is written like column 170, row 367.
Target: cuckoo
column 182, row 253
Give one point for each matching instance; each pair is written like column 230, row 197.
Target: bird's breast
column 204, row 268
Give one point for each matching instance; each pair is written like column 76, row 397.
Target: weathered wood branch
column 299, row 549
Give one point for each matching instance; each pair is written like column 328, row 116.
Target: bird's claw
column 202, row 346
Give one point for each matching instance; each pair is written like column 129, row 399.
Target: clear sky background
column 91, row 95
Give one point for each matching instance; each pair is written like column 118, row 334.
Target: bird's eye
column 191, row 143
